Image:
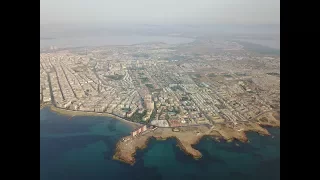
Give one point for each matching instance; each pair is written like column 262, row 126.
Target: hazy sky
column 160, row 11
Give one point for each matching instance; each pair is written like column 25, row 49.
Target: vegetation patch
column 150, row 87
column 212, row 75
column 137, row 117
column 144, row 80
column 175, row 88
column 274, row 74
column 115, row 77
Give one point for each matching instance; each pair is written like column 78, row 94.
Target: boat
column 70, row 117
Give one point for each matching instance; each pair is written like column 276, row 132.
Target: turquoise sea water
column 82, row 148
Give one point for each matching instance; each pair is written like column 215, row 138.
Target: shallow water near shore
column 82, row 148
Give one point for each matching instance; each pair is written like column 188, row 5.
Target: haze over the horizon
column 160, row 11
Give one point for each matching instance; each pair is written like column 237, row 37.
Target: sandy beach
column 82, row 113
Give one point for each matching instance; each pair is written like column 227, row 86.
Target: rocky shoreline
column 186, row 137
column 189, row 136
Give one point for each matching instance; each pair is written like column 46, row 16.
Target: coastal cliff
column 189, row 136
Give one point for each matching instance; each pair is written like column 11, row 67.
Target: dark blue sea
column 82, row 149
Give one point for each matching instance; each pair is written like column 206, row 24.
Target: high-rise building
column 144, row 128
